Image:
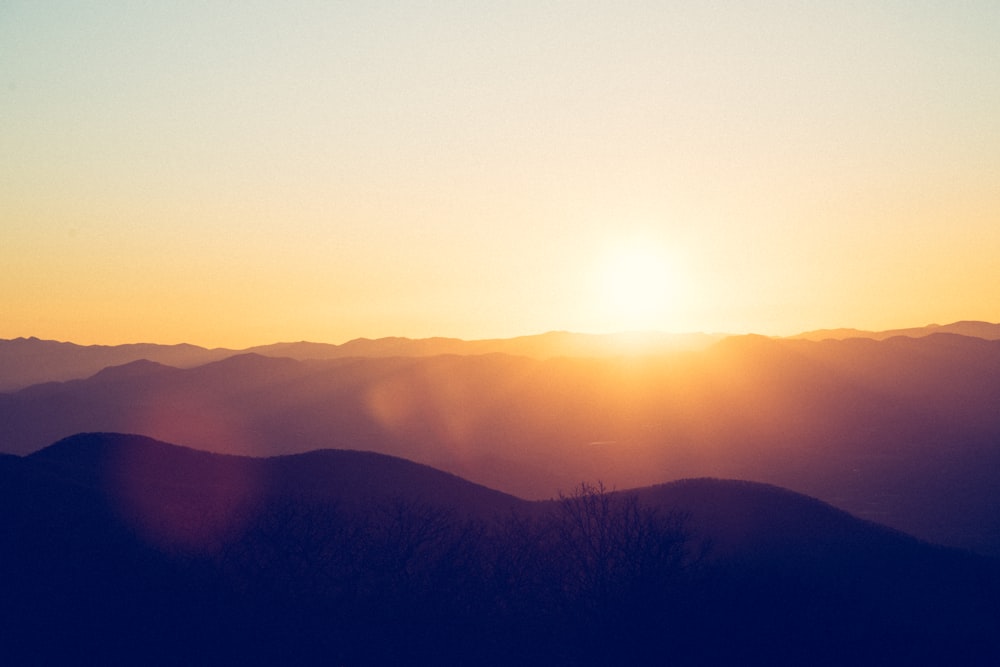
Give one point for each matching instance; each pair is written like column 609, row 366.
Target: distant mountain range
column 28, row 361
column 975, row 329
column 118, row 546
column 440, row 501
column 902, row 431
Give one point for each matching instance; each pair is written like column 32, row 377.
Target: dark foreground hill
column 123, row 550
column 904, row 431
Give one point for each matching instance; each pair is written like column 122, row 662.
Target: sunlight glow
column 638, row 286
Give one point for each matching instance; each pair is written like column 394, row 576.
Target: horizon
column 329, row 172
column 606, row 334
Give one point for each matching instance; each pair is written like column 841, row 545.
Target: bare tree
column 611, row 545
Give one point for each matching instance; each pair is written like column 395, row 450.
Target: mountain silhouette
column 118, row 546
column 901, row 431
column 985, row 330
column 171, row 474
column 29, row 361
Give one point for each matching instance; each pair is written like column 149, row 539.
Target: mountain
column 902, row 431
column 738, row 516
column 796, row 573
column 29, row 361
column 539, row 346
column 120, row 548
column 140, row 472
column 986, row 330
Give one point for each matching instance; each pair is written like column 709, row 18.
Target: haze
column 240, row 174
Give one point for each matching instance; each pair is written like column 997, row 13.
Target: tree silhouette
column 620, row 562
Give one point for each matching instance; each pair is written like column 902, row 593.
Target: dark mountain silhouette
column 901, row 431
column 140, row 472
column 118, row 548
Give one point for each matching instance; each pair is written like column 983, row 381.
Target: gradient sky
column 236, row 173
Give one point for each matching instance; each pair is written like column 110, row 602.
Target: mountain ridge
column 321, row 474
column 972, row 328
column 902, row 431
column 119, row 551
column 27, row 361
column 736, row 506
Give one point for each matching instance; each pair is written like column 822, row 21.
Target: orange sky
column 229, row 177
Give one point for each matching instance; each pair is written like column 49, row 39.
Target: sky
column 240, row 173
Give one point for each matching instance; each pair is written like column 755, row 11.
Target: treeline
column 596, row 574
column 592, row 578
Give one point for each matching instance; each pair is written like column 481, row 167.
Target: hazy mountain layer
column 29, row 361
column 975, row 329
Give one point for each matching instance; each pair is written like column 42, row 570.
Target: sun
column 637, row 286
